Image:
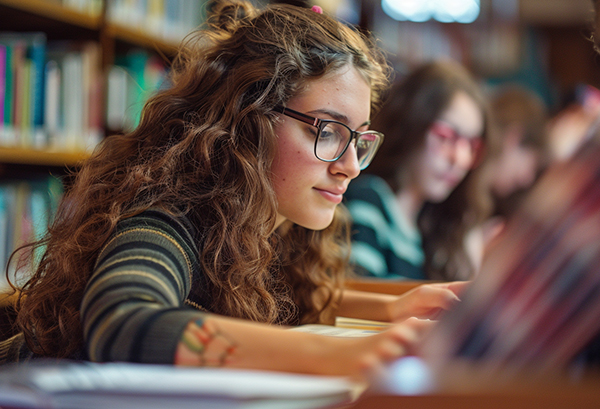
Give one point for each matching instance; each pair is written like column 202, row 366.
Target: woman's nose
column 463, row 155
column 347, row 164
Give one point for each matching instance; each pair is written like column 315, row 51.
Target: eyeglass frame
column 476, row 144
column 321, row 123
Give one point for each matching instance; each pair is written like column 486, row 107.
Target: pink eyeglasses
column 448, row 135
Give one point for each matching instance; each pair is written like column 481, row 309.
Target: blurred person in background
column 414, row 206
column 574, row 124
column 520, row 120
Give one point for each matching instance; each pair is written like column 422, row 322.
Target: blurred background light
column 445, row 11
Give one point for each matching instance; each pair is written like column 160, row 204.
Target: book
column 361, row 324
column 73, row 99
column 334, row 331
column 2, row 83
column 52, row 108
column 7, row 123
column 4, row 233
column 131, row 81
column 345, row 328
column 13, row 130
column 93, row 95
column 73, row 96
column 26, row 209
column 76, row 385
column 23, row 88
column 116, row 101
column 37, row 56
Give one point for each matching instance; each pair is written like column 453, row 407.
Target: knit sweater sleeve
column 133, row 307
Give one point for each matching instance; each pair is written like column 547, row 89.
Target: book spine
column 9, row 85
column 23, row 85
column 26, row 210
column 73, row 100
column 116, row 98
column 2, row 83
column 52, row 102
column 7, row 223
column 38, row 62
column 136, row 65
column 18, row 94
column 4, row 218
column 95, row 97
column 24, row 130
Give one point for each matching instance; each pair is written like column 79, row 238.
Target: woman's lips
column 331, row 196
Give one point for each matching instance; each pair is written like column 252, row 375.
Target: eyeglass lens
column 448, row 135
column 334, row 137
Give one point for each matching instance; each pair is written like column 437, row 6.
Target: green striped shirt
column 383, row 243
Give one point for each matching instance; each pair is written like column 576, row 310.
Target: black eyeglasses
column 333, row 138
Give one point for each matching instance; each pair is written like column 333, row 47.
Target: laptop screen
column 536, row 302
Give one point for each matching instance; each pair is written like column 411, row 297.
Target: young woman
column 413, row 210
column 201, row 236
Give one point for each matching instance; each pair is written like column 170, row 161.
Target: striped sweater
column 134, row 305
column 383, row 243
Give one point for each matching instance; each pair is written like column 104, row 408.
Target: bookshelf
column 56, row 60
column 543, row 45
column 92, row 24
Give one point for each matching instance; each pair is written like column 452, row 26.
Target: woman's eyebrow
column 332, row 114
column 337, row 116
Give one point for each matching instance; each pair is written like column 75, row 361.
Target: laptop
column 535, row 305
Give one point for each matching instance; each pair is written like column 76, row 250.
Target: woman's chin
column 317, row 224
column 439, row 196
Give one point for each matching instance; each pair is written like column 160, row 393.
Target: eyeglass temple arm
column 299, row 116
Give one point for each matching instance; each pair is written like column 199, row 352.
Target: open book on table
column 345, row 327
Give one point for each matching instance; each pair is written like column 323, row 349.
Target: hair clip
column 317, row 9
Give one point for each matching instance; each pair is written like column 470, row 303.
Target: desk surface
column 541, row 400
column 465, row 389
column 382, row 286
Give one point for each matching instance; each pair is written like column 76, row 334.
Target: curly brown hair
column 203, row 149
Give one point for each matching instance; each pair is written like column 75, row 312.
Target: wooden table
column 466, row 388
column 377, row 285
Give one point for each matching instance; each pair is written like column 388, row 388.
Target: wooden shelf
column 138, row 38
column 23, row 15
column 39, row 157
column 54, row 11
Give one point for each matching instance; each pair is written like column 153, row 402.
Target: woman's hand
column 227, row 342
column 426, row 301
column 362, row 357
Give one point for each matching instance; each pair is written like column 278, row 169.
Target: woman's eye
column 327, row 134
column 332, row 132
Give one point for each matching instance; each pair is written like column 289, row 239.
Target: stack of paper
column 122, row 385
column 345, row 328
